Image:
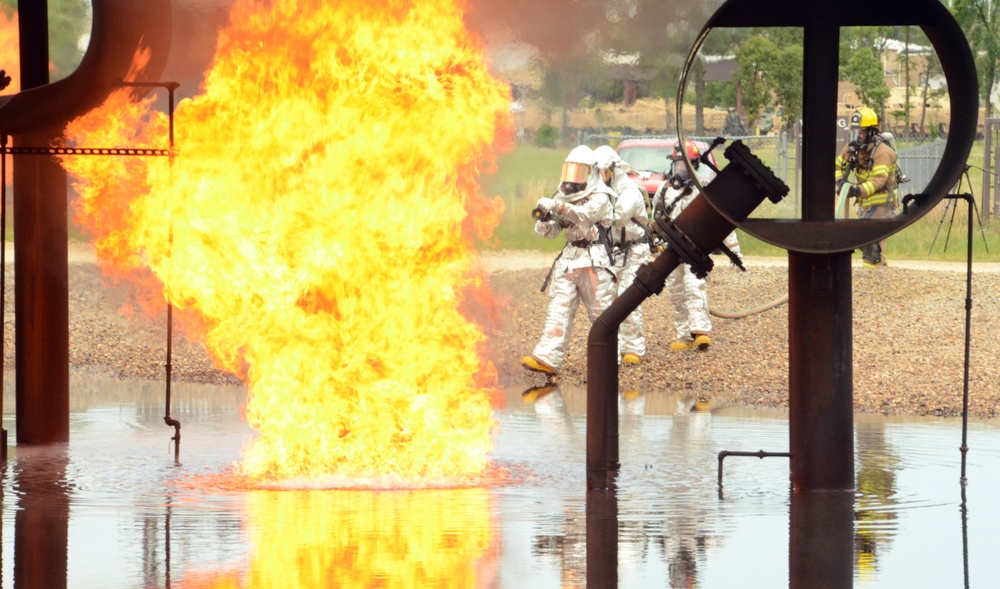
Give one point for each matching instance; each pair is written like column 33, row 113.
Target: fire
column 315, row 230
column 427, row 538
column 10, row 55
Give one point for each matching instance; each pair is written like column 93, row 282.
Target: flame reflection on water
column 128, row 517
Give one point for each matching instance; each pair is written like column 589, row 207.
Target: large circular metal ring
column 819, row 231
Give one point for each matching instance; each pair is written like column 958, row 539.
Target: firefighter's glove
column 546, row 204
column 840, row 184
column 854, row 192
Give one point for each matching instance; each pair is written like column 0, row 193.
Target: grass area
column 528, row 173
column 524, row 175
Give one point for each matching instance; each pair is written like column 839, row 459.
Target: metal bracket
column 686, row 249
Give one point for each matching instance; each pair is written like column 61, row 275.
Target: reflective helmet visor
column 574, row 172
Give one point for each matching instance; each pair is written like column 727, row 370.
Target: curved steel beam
column 120, row 28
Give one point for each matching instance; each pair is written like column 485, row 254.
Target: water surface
column 113, row 509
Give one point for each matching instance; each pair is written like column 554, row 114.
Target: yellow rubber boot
column 701, row 341
column 631, row 358
column 680, row 346
column 536, row 365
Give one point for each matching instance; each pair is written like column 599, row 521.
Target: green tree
column 756, row 58
column 930, row 96
column 783, row 68
column 861, row 51
column 787, row 73
column 981, row 21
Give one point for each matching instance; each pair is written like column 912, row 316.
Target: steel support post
column 41, row 290
column 820, row 381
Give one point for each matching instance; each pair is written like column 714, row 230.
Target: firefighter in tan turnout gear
column 631, row 245
column 582, row 272
column 867, row 168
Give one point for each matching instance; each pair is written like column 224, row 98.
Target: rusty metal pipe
column 36, row 116
column 700, row 228
column 120, row 28
column 820, row 394
column 758, row 454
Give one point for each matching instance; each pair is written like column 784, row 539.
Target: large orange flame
column 315, row 230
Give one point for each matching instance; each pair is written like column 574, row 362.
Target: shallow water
column 113, row 509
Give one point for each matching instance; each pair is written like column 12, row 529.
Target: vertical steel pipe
column 41, row 283
column 698, row 230
column 35, row 117
column 820, row 372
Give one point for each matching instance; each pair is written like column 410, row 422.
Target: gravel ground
column 909, row 339
column 106, row 340
column 909, row 326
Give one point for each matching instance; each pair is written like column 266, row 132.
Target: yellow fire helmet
column 864, row 117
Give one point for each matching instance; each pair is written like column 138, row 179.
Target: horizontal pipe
column 759, row 454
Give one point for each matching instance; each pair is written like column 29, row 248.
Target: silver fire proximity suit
column 628, row 233
column 582, row 272
column 688, row 294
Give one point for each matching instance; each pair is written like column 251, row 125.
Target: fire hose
column 751, row 311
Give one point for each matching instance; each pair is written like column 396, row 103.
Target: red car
column 650, row 159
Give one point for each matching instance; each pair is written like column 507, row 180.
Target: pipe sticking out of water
column 700, row 228
column 759, row 454
column 964, row 448
column 171, row 88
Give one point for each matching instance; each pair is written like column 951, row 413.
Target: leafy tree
column 981, row 20
column 755, row 57
column 787, row 73
column 864, row 70
column 930, row 96
column 861, row 51
column 776, row 52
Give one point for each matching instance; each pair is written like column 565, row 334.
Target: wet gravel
column 909, row 334
column 909, row 341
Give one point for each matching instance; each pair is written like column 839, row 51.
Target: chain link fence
column 919, row 164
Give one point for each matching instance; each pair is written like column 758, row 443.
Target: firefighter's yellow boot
column 536, row 365
column 681, row 345
column 631, row 358
column 702, row 341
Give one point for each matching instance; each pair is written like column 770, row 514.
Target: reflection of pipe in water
column 965, row 537
column 41, row 523
column 821, row 540
column 602, row 538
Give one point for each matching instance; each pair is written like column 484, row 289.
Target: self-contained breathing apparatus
column 853, row 162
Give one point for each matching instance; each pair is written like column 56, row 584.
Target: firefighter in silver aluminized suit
column 582, row 272
column 688, row 294
column 631, row 241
